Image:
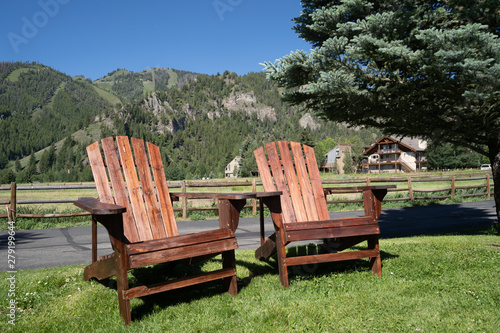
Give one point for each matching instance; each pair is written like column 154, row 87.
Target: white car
column 485, row 167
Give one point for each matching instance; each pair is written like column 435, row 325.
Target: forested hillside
column 40, row 106
column 201, row 122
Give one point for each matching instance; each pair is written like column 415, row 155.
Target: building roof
column 416, row 143
column 411, row 144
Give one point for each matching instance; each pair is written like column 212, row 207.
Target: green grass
column 172, row 81
column 446, row 283
column 14, row 75
column 147, row 87
column 104, row 85
column 109, row 97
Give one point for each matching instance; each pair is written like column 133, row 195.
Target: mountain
column 39, row 105
column 201, row 122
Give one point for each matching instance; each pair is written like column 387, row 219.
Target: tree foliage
column 322, row 148
column 448, row 156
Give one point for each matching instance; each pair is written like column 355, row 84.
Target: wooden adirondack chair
column 135, row 207
column 302, row 214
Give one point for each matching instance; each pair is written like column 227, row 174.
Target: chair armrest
column 261, row 195
column 96, row 207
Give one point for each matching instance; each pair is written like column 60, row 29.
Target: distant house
column 231, row 170
column 392, row 155
column 335, row 157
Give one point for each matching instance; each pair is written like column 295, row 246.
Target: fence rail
column 406, row 184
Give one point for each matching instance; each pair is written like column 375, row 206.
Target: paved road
column 71, row 246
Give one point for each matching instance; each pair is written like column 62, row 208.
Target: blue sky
column 93, row 38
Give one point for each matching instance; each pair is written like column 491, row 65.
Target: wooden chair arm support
column 109, row 215
column 174, row 197
column 350, row 189
column 273, row 203
column 230, row 207
column 96, row 207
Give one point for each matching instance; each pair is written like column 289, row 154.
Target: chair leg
column 375, row 262
column 121, row 286
column 281, row 256
column 230, row 283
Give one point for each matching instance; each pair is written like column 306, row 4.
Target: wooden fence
column 406, row 185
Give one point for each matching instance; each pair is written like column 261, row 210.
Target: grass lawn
column 445, row 283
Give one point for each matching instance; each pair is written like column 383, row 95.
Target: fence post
column 452, row 185
column 367, row 181
column 254, row 201
column 184, row 200
column 13, row 200
column 410, row 189
column 488, row 188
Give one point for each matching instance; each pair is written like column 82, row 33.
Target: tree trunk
column 494, row 148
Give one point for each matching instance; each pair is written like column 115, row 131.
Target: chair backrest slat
column 119, row 188
column 263, row 166
column 167, row 211
column 150, row 198
column 317, row 186
column 99, row 173
column 292, row 181
column 305, row 185
column 277, row 175
column 296, row 174
column 134, row 189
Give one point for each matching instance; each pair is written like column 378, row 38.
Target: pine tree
column 305, row 138
column 44, row 164
column 17, row 165
column 30, row 169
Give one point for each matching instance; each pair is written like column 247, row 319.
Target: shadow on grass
column 335, row 267
column 270, row 266
column 153, row 274
column 167, row 271
column 461, row 219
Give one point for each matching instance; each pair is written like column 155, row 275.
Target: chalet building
column 392, row 155
column 231, row 170
column 335, row 157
